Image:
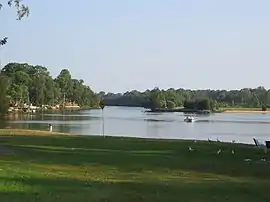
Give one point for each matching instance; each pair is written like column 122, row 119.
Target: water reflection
column 135, row 122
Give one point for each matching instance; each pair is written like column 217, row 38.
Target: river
column 134, row 122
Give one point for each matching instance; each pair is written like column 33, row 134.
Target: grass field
column 35, row 166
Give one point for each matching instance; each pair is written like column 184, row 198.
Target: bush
column 264, row 108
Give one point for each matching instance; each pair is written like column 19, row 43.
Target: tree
column 264, row 108
column 3, row 97
column 64, row 82
column 50, row 94
column 157, row 99
column 34, row 84
column 21, row 11
column 190, row 104
column 203, row 104
column 170, row 104
column 214, row 105
column 37, row 90
column 246, row 97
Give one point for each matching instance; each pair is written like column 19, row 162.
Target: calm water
column 124, row 121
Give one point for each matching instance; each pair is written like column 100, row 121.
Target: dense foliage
column 3, row 97
column 27, row 84
column 199, row 99
column 21, row 11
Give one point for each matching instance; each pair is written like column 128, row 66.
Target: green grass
column 64, row 168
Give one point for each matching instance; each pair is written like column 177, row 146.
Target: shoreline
column 246, row 112
column 29, row 132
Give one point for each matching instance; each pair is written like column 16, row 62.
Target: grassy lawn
column 35, row 166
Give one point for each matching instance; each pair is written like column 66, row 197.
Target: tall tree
column 21, row 11
column 64, row 82
column 3, row 97
column 34, row 84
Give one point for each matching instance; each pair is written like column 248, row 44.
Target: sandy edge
column 247, row 111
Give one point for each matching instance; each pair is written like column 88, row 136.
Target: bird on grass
column 219, row 151
column 190, row 149
column 233, row 151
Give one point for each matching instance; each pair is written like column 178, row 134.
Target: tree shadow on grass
column 75, row 190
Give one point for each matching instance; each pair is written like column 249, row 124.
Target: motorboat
column 189, row 119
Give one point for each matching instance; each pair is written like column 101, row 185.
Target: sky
column 122, row 45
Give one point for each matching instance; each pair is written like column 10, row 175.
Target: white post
column 103, row 123
column 50, row 127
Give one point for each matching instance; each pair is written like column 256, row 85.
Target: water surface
column 134, row 122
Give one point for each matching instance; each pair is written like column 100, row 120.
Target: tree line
column 32, row 84
column 24, row 84
column 194, row 99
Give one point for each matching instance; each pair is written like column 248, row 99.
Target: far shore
column 247, row 111
column 244, row 110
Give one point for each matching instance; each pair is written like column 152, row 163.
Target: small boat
column 189, row 119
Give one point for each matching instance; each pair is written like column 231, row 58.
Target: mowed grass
column 56, row 167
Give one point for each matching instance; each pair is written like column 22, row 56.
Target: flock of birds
column 218, row 152
column 190, row 149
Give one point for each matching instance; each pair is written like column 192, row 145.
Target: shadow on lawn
column 74, row 190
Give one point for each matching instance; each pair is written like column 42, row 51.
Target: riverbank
column 52, row 111
column 41, row 166
column 222, row 110
column 244, row 110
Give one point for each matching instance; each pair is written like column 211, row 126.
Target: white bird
column 219, row 151
column 195, row 141
column 190, row 149
column 233, row 151
column 247, row 160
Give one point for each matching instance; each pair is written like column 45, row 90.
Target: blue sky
column 122, row 45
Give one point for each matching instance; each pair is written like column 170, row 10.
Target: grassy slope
column 76, row 168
